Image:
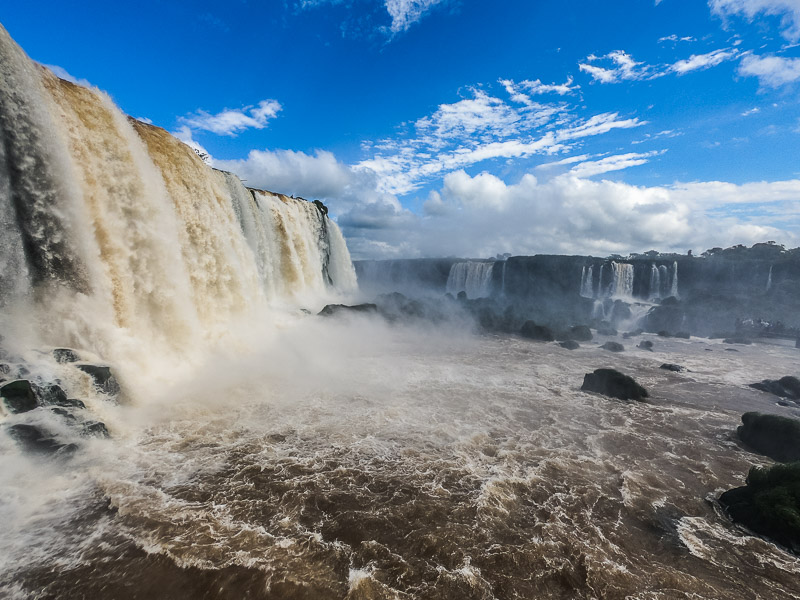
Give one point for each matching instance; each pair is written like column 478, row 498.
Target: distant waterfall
column 621, row 280
column 655, row 282
column 673, row 290
column 472, row 277
column 116, row 238
column 769, row 279
column 663, row 278
column 587, row 289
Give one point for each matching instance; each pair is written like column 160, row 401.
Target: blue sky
column 469, row 127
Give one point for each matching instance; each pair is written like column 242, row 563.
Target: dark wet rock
column 5, row 369
column 578, row 333
column 37, row 440
column 65, row 355
column 737, row 340
column 51, row 394
column 785, row 387
column 570, row 345
column 664, row 333
column 338, row 309
column 63, row 412
column 645, row 345
column 540, row 333
column 769, row 504
column 103, row 378
column 461, row 296
column 670, row 301
column 613, row 347
column 771, row 435
column 611, row 382
column 683, row 335
column 18, row 396
column 321, row 207
column 731, row 350
column 673, row 367
column 634, row 333
column 620, row 311
column 95, row 429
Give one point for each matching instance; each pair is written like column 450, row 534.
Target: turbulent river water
column 353, row 459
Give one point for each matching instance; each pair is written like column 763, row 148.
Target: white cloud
column 63, row 74
column 482, row 215
column 751, row 111
column 702, row 61
column 674, row 38
column 405, row 13
column 233, row 121
column 184, row 134
column 537, row 87
column 772, row 71
column 611, row 163
column 788, row 10
column 622, row 67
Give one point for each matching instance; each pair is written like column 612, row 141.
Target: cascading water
column 663, row 278
column 117, row 239
column 621, row 280
column 655, row 282
column 673, row 288
column 472, row 277
column 769, row 279
column 587, row 290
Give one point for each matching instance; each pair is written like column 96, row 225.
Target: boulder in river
column 578, row 333
column 18, row 396
column 570, row 344
column 611, row 382
column 103, row 378
column 772, row 435
column 646, row 345
column 540, row 333
column 785, row 387
column 769, row 504
column 613, row 347
column 338, row 309
column 672, row 367
column 37, row 440
column 65, row 355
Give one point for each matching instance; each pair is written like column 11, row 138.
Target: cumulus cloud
column 482, row 215
column 698, row 62
column 772, row 71
column 233, row 121
column 537, row 87
column 787, row 10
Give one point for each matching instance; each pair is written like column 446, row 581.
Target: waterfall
column 663, row 278
column 116, row 238
column 587, row 290
column 673, row 290
column 621, row 280
column 655, row 282
column 769, row 279
column 598, row 310
column 599, row 291
column 472, row 277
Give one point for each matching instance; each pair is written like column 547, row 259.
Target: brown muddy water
column 356, row 460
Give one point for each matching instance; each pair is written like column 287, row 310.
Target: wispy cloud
column 772, row 71
column 787, row 10
column 612, row 163
column 233, row 121
column 674, row 38
column 752, row 111
column 697, row 62
column 619, row 66
column 405, row 13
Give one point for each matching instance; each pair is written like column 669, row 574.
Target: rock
column 731, row 350
column 769, row 504
column 613, row 347
column 634, row 333
column 65, row 355
column 337, row 309
column 670, row 301
column 737, row 340
column 570, row 345
column 646, row 345
column 540, row 333
column 611, row 382
column 18, row 396
column 461, row 296
column 578, row 333
column 51, row 394
column 610, row 331
column 771, row 435
column 785, row 387
column 34, row 439
column 672, row 367
column 103, row 378
column 95, row 428
column 663, row 333
column 683, row 335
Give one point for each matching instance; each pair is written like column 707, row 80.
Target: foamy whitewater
column 259, row 451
